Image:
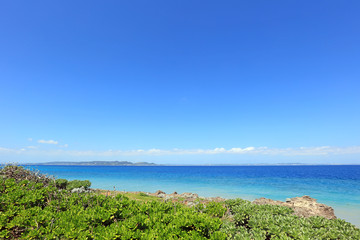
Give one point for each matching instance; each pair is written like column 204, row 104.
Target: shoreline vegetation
column 37, row 206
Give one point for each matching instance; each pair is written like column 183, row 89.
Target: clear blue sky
column 180, row 81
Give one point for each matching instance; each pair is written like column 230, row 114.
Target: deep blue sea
column 336, row 186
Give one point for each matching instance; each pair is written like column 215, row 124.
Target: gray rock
column 168, row 197
column 161, row 195
column 189, row 195
column 80, row 190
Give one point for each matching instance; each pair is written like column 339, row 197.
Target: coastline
column 304, row 206
column 328, row 184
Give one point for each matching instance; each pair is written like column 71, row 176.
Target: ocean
column 337, row 185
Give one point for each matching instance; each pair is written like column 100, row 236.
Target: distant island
column 127, row 163
column 98, row 163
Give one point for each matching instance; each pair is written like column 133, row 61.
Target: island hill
column 99, row 163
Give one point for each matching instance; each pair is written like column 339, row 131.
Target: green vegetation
column 35, row 210
column 143, row 194
column 130, row 195
column 70, row 185
column 252, row 221
column 34, row 206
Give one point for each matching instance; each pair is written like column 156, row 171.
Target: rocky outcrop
column 158, row 192
column 303, row 206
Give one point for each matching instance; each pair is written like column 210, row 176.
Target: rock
column 175, row 193
column 263, row 201
column 189, row 195
column 303, row 206
column 168, row 197
column 217, row 199
column 79, row 190
column 158, row 192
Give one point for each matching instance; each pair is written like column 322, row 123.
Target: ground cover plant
column 34, row 206
column 251, row 221
column 44, row 210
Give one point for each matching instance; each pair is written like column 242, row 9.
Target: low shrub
column 61, row 183
column 33, row 211
column 78, row 184
column 251, row 221
column 19, row 173
column 37, row 209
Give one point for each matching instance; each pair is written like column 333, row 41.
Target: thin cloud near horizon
column 299, row 151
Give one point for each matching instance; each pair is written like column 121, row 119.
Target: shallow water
column 336, row 186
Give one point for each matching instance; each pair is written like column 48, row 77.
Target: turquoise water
column 336, row 186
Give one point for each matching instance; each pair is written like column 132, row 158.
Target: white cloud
column 5, row 149
column 48, row 141
column 64, row 146
column 30, row 139
column 257, row 151
column 241, row 150
column 219, row 150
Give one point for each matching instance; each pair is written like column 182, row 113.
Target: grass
column 143, row 197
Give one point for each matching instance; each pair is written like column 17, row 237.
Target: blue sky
column 180, row 82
